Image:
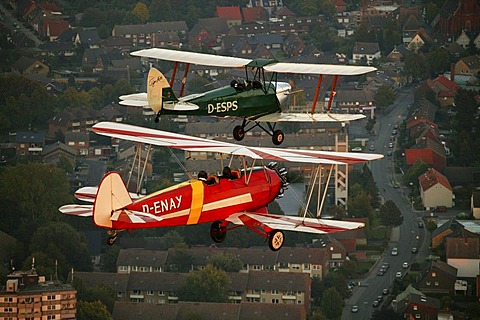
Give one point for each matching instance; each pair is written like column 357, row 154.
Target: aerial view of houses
column 64, row 66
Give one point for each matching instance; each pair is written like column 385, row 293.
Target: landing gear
column 112, row 236
column 239, row 133
column 275, row 240
column 278, row 137
column 217, row 232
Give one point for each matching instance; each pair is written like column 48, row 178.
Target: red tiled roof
column 229, row 13
column 56, row 27
column 251, row 14
column 432, row 177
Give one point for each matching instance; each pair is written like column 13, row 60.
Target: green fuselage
column 229, row 102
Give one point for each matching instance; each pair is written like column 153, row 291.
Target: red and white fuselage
column 190, row 202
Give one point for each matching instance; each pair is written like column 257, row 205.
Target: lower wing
column 292, row 223
column 140, row 100
column 308, row 117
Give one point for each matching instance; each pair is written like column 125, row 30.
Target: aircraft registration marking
column 224, row 106
column 164, row 205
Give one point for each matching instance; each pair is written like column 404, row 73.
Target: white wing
column 292, row 223
column 308, row 117
column 189, row 143
column 326, row 69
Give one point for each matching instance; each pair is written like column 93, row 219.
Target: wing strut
column 184, row 80
column 332, row 93
column 172, row 79
column 320, row 203
column 317, row 92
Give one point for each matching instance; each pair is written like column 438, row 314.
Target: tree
column 416, row 66
column 332, row 304
column 359, row 206
column 390, row 215
column 59, row 243
column 141, row 12
column 207, row 285
column 30, row 195
column 226, row 262
column 179, row 261
column 65, row 164
column 92, row 311
column 384, row 96
column 438, row 61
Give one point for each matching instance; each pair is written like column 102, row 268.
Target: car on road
column 380, row 298
column 414, row 250
column 386, row 265
column 357, row 149
column 372, row 148
column 375, row 303
column 380, row 272
column 394, row 252
column 385, row 291
column 390, row 145
column 405, row 265
column 420, row 224
column 355, row 309
column 398, row 274
column 389, row 153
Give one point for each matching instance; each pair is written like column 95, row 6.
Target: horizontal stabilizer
column 77, row 210
column 88, row 194
column 180, row 106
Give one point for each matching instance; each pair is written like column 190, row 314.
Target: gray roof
column 141, row 257
column 283, row 281
column 366, row 48
column 156, row 281
column 58, row 146
column 118, row 282
column 151, row 27
column 30, row 136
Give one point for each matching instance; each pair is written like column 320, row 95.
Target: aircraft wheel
column 275, row 240
column 238, row 133
column 111, row 240
column 278, row 137
column 217, row 232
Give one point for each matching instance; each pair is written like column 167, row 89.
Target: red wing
column 292, row 223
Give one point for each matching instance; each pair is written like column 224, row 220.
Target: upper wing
column 292, row 223
column 192, row 57
column 189, row 143
column 234, row 62
column 308, row 117
column 326, row 69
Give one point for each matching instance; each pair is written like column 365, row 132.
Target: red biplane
column 240, row 199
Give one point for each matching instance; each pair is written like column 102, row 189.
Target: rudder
column 158, row 89
column 111, row 196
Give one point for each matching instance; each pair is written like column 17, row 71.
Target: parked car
column 372, row 148
column 414, row 250
column 355, row 309
column 398, row 274
column 357, row 149
column 405, row 265
column 385, row 292
column 375, row 303
column 420, row 224
column 394, row 251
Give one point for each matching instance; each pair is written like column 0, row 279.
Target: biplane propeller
column 239, row 199
column 258, row 99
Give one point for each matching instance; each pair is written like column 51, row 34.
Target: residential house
column 451, row 228
column 475, row 204
column 270, row 41
column 56, row 49
column 249, row 29
column 413, row 304
column 80, row 141
column 340, row 6
column 354, row 101
column 444, row 89
column 54, row 28
column 435, row 190
column 166, row 40
column 29, row 296
column 438, row 278
column 141, row 34
column 29, row 143
column 164, row 287
column 410, row 28
column 420, row 39
column 398, row 53
column 463, row 253
column 116, row 43
column 54, row 152
column 454, row 17
column 468, row 66
column 428, row 150
column 87, row 38
column 365, row 51
column 254, row 14
column 25, row 66
column 208, row 32
column 141, row 260
column 232, row 15
column 208, row 310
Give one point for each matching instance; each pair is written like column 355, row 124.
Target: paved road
column 404, row 237
column 16, row 26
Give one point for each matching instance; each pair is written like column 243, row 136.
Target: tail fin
column 111, row 196
column 158, row 89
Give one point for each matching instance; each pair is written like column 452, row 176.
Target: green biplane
column 257, row 100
